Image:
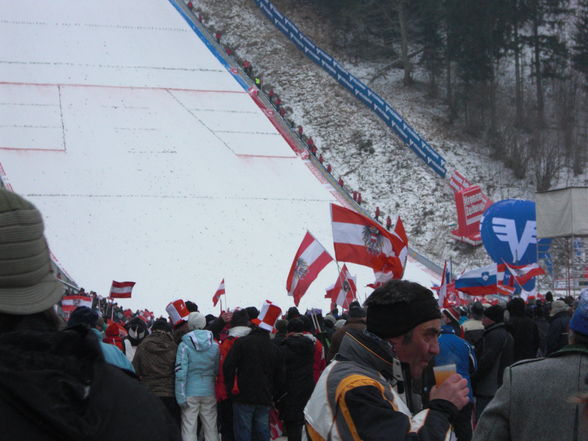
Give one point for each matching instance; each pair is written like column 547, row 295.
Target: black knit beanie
column 495, row 313
column 398, row 306
column 240, row 318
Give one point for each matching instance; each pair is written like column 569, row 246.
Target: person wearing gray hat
column 559, row 319
column 55, row 384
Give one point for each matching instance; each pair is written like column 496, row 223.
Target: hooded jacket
column 155, row 363
column 56, row 386
column 365, row 393
column 196, row 365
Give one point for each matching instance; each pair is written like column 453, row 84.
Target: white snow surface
column 149, row 162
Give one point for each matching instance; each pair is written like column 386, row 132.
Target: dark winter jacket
column 298, row 353
column 56, row 386
column 258, row 365
column 366, row 393
column 155, row 363
column 494, row 353
column 351, row 323
column 525, row 333
column 557, row 336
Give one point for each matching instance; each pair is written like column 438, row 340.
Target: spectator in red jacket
column 359, row 199
column 329, row 168
column 341, row 181
column 112, row 336
column 388, row 223
column 378, row 214
column 321, row 159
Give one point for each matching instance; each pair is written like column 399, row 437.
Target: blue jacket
column 453, row 349
column 112, row 354
column 197, row 362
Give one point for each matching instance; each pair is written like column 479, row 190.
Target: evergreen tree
column 580, row 39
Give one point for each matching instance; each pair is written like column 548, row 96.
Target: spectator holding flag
column 253, row 372
column 55, row 384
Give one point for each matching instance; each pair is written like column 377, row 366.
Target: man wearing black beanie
column 368, row 386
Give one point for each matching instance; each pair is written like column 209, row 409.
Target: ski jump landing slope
column 149, row 162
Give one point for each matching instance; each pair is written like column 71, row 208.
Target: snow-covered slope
column 148, row 160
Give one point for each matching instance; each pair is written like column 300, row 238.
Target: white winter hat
column 196, row 321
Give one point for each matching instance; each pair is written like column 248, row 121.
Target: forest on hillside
column 513, row 73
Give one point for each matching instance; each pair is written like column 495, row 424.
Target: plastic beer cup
column 442, row 373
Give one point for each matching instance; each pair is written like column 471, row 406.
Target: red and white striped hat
column 268, row 316
column 177, row 311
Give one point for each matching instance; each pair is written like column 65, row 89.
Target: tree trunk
column 404, row 42
column 518, row 80
column 538, row 73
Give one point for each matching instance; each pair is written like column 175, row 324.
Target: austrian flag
column 309, row 261
column 360, row 240
column 344, row 291
column 70, row 303
column 219, row 292
column 121, row 290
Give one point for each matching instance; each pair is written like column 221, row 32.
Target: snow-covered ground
column 150, row 163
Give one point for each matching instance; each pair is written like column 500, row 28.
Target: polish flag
column 219, row 292
column 523, row 273
column 358, row 239
column 121, row 290
column 70, row 303
column 344, row 291
column 309, row 261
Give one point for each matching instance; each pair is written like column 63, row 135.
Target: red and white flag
column 358, row 239
column 344, row 291
column 219, row 292
column 121, row 290
column 523, row 273
column 70, row 303
column 309, row 261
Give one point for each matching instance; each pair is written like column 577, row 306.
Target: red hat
column 177, row 311
column 268, row 316
column 451, row 313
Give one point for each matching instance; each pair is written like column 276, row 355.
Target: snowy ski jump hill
column 150, row 162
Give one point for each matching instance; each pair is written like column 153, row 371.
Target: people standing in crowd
column 523, row 330
column 455, row 350
column 155, row 362
column 239, row 327
column 473, row 329
column 377, row 217
column 368, row 391
column 197, row 362
column 112, row 335
column 388, row 223
column 54, row 383
column 557, row 335
column 84, row 316
column 356, row 320
column 281, row 331
column 451, row 317
column 530, row 405
column 137, row 331
column 539, row 317
column 494, row 352
column 298, row 353
column 253, row 372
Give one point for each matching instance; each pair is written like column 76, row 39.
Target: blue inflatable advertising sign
column 508, row 230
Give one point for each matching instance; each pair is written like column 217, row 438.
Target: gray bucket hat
column 27, row 282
